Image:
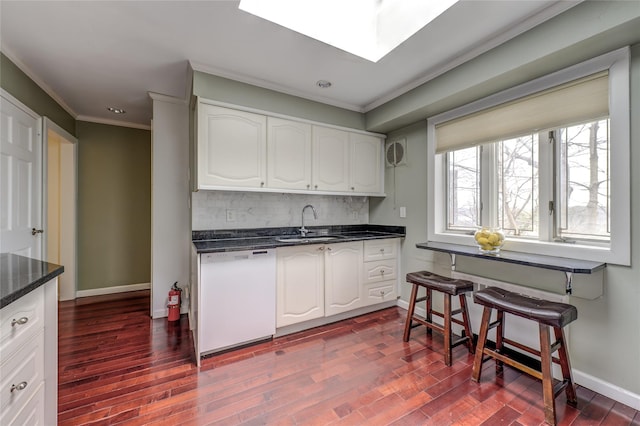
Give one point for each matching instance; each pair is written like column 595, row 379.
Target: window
column 548, row 162
column 580, row 196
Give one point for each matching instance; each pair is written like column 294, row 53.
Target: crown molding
column 39, row 82
column 99, row 120
column 169, row 99
column 219, row 72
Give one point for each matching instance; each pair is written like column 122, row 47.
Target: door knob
column 35, row 231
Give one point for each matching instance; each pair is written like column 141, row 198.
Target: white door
column 20, row 180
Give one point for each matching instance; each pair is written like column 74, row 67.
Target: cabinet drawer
column 32, row 413
column 380, row 249
column 382, row 270
column 380, row 292
column 24, row 370
column 20, row 320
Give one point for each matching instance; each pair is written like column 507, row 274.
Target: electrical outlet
column 403, row 212
column 231, row 215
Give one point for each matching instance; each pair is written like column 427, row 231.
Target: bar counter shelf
column 566, row 265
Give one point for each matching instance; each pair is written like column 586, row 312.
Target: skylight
column 366, row 28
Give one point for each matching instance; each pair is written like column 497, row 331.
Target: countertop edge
column 575, row 266
column 263, row 243
column 28, row 288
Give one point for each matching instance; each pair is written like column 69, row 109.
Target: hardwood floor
column 117, row 366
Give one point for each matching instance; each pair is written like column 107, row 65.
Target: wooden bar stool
column 548, row 315
column 449, row 287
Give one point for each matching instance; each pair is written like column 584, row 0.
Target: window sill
column 617, row 254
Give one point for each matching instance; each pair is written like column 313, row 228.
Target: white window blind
column 579, row 100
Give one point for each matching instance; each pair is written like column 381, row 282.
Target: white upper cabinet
column 330, row 159
column 288, row 154
column 240, row 150
column 365, row 163
column 232, row 148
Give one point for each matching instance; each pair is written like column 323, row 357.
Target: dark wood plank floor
column 117, row 366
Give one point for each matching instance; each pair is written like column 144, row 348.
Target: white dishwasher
column 237, row 299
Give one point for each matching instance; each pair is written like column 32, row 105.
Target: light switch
column 403, row 211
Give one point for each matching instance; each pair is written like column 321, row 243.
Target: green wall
column 234, row 92
column 14, row 81
column 584, row 31
column 114, row 189
column 114, row 206
column 605, row 340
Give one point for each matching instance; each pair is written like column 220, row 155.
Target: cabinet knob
column 315, row 186
column 321, row 248
column 19, row 321
column 381, row 271
column 261, row 183
column 308, row 186
column 381, row 250
column 353, row 188
column 382, row 293
column 328, row 248
column 20, row 386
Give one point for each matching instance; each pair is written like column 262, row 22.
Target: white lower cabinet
column 318, row 281
column 299, row 284
column 380, row 271
column 29, row 361
column 342, row 288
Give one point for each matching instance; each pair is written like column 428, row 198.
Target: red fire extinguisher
column 174, row 302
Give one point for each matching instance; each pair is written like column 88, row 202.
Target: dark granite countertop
column 576, row 266
column 266, row 238
column 19, row 275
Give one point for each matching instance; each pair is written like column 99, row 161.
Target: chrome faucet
column 304, row 231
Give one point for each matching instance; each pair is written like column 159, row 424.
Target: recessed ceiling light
column 323, row 84
column 117, row 110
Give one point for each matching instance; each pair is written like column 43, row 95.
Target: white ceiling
column 91, row 55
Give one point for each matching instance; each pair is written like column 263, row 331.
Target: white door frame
column 68, row 204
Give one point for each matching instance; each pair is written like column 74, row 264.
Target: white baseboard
column 607, row 389
column 112, row 290
column 583, row 379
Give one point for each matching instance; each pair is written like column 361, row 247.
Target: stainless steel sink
column 308, row 239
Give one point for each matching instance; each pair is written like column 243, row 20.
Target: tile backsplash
column 231, row 210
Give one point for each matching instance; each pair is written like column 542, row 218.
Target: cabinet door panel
column 288, row 154
column 330, row 159
column 300, row 284
column 342, row 277
column 231, row 148
column 365, row 170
